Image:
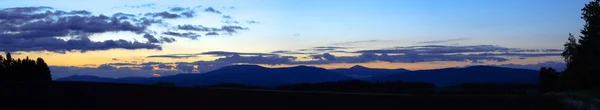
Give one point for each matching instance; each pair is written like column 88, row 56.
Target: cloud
column 45, row 29
column 443, row 41
column 211, row 34
column 167, row 39
column 151, row 38
column 273, row 60
column 60, row 46
column 172, row 56
column 141, row 6
column 252, row 22
column 289, row 52
column 185, row 68
column 190, row 35
column 106, row 67
column 324, row 56
column 359, row 42
column 214, row 53
column 164, row 14
column 178, row 9
column 224, row 53
column 442, row 49
column 326, row 49
column 210, row 9
column 211, row 30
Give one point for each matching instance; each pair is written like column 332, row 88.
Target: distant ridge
column 255, row 75
column 238, row 74
column 362, row 72
column 473, row 74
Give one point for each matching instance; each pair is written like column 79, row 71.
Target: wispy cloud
column 443, row 41
column 359, row 42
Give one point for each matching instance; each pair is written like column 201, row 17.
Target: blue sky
column 291, row 25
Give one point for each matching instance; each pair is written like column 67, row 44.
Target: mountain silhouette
column 361, row 72
column 473, row 74
column 252, row 75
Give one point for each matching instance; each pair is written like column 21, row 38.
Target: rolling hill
column 473, row 74
column 361, row 72
column 239, row 74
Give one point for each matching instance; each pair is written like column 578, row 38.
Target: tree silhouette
column 581, row 55
column 23, row 70
column 548, row 79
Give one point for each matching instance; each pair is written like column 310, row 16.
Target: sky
column 148, row 38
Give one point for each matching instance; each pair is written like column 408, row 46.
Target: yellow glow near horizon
column 79, row 59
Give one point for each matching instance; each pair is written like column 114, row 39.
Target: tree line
column 23, row 70
column 582, row 55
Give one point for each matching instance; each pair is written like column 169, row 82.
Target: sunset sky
column 145, row 38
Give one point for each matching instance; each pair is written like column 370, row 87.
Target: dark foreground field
column 106, row 96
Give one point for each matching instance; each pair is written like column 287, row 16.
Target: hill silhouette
column 474, row 74
column 251, row 75
column 358, row 71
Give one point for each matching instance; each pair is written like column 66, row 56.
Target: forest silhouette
column 581, row 55
column 23, row 70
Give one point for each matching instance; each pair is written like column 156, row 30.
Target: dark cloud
column 324, row 56
column 325, row 49
column 164, row 14
column 80, row 12
column 409, row 58
column 27, row 9
column 167, row 39
column 58, row 45
column 47, row 29
column 210, row 9
column 190, row 35
column 443, row 41
column 232, row 29
column 200, row 28
column 441, row 49
column 177, row 9
column 28, row 29
column 115, row 59
column 106, row 67
column 272, row 60
column 196, row 28
column 211, row 34
column 185, row 67
column 226, row 17
column 289, row 52
column 123, row 16
column 151, row 38
column 188, row 14
column 164, row 66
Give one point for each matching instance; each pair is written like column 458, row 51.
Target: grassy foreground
column 103, row 96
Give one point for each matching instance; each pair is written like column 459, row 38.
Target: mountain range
column 254, row 75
